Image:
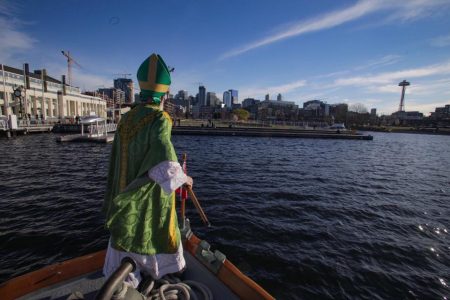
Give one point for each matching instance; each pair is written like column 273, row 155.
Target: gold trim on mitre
column 155, row 87
column 152, row 68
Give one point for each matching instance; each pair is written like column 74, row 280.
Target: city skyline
column 344, row 52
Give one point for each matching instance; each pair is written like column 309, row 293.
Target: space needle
column 403, row 84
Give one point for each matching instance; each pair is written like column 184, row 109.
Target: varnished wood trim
column 50, row 275
column 241, row 284
column 17, row 287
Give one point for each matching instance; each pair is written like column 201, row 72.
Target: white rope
column 172, row 288
column 206, row 292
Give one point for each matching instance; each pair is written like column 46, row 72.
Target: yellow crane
column 70, row 61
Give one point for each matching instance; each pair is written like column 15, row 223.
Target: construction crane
column 70, row 61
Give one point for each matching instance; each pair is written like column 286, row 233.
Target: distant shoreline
column 432, row 131
column 269, row 132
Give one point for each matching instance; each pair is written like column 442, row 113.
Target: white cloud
column 424, row 94
column 372, row 64
column 372, row 101
column 13, row 41
column 91, row 82
column 383, row 61
column 390, row 77
column 441, row 41
column 376, row 90
column 80, row 77
column 399, row 11
column 87, row 81
column 384, row 88
column 438, row 87
column 8, row 8
column 425, row 108
column 333, row 74
column 326, row 21
column 187, row 80
column 273, row 90
column 407, row 11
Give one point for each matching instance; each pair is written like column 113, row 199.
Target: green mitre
column 154, row 78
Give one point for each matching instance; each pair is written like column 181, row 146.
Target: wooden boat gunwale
column 229, row 274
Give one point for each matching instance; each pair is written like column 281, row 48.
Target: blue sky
column 337, row 51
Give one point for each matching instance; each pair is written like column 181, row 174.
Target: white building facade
column 44, row 97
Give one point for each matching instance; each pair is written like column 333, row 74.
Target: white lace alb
column 168, row 174
column 156, row 265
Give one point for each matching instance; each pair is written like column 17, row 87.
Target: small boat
column 338, row 126
column 98, row 130
column 82, row 278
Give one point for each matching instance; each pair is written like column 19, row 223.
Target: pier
column 10, row 127
column 94, row 129
column 270, row 132
column 221, row 131
column 23, row 130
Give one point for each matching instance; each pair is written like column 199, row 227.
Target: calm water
column 306, row 219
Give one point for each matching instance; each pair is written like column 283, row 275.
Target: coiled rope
column 171, row 287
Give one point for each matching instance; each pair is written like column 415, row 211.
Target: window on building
column 55, row 107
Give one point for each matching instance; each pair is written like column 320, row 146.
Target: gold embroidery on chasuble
column 127, row 131
column 172, row 228
column 167, row 116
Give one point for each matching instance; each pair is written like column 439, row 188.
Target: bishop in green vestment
column 143, row 174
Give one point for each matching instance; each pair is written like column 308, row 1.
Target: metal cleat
column 213, row 261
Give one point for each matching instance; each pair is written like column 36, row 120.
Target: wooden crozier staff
column 193, row 198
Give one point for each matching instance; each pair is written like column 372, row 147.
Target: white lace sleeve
column 168, row 174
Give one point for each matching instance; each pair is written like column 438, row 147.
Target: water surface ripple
column 305, row 218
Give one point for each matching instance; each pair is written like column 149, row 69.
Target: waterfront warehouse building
column 43, row 96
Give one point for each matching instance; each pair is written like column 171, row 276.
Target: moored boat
column 338, row 126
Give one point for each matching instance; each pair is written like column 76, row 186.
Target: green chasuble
column 139, row 214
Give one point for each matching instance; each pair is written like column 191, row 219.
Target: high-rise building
column 234, row 96
column 182, row 95
column 267, row 97
column 339, row 112
column 211, row 99
column 227, row 99
column 249, row 102
column 202, row 95
column 117, row 95
column 126, row 85
column 279, row 97
column 373, row 112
